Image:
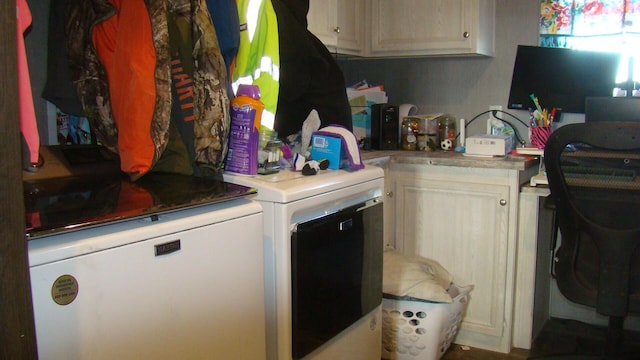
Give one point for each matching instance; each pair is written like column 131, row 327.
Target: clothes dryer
column 323, row 262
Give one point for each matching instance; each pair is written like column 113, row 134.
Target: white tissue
column 310, row 125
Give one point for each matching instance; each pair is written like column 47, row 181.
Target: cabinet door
column 322, row 21
column 339, row 24
column 432, row 27
column 351, row 18
column 464, row 226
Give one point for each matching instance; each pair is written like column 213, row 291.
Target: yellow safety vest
column 258, row 58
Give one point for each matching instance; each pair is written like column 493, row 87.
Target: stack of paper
column 361, row 96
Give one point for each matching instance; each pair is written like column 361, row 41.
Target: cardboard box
column 327, row 147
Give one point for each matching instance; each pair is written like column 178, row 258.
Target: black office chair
column 594, row 178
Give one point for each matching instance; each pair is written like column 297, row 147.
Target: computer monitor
column 610, row 108
column 561, row 78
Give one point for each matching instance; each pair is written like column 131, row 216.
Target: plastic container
column 269, row 156
column 539, row 135
column 421, row 330
column 409, row 131
column 422, row 142
column 244, row 133
column 447, row 132
column 428, row 127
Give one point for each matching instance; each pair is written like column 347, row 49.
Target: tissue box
column 327, row 147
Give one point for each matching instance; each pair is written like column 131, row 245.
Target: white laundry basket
column 420, row 330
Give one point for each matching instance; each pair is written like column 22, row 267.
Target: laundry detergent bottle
column 244, row 133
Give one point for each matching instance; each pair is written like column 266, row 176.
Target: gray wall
column 461, row 86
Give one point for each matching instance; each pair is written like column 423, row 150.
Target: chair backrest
column 594, row 178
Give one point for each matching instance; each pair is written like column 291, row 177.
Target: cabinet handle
column 390, row 194
column 337, row 29
column 503, row 202
column 466, row 34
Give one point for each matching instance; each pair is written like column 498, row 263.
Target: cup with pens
column 540, row 121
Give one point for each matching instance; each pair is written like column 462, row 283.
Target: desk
column 537, row 296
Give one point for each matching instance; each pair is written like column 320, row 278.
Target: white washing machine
column 323, row 262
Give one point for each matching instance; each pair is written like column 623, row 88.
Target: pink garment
column 28, row 124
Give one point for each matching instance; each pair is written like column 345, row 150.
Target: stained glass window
column 601, row 25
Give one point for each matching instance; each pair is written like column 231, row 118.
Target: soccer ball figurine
column 446, row 144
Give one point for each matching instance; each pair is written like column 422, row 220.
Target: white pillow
column 416, row 277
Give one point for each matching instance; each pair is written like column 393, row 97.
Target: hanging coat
column 58, row 88
column 28, row 123
column 258, row 58
column 310, row 78
column 210, row 100
column 124, row 45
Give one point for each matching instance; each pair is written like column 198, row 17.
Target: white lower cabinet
column 466, row 219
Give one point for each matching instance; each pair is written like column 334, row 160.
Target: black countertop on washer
column 63, row 197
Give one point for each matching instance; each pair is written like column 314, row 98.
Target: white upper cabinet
column 322, row 21
column 432, row 27
column 339, row 24
column 394, row 28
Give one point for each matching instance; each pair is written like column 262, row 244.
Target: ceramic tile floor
column 557, row 337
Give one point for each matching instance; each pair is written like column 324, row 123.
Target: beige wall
column 463, row 86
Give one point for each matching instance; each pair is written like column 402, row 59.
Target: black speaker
column 384, row 127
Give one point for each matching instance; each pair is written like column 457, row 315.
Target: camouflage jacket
column 211, row 101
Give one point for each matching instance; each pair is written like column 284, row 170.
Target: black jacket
column 309, row 75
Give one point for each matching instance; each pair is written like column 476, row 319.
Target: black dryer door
column 336, row 270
